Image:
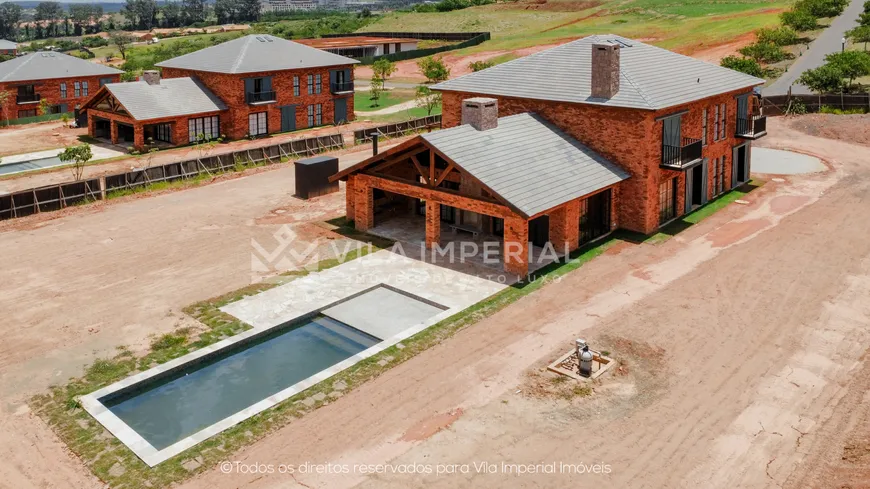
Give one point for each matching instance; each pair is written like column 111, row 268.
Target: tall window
column 667, row 200
column 318, row 114
column 203, row 128
column 63, row 90
column 704, row 126
column 317, row 84
column 310, row 84
column 77, row 87
column 715, row 123
column 722, row 174
column 716, row 176
column 722, row 121
column 257, row 124
column 295, row 86
column 310, row 116
column 84, row 89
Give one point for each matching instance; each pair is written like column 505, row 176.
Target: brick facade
column 231, row 89
column 50, row 90
column 631, row 138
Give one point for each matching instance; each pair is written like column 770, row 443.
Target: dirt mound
column 851, row 128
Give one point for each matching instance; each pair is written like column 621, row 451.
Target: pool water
column 166, row 410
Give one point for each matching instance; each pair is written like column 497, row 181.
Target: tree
column 10, row 15
column 824, row 79
column 427, row 98
column 142, row 14
column 5, row 97
column 433, row 69
column 249, row 10
column 860, row 34
column 172, row 14
column 764, row 52
column 193, row 10
column 79, row 155
column 381, row 70
column 43, row 106
column 122, row 41
column 799, row 20
column 852, row 64
column 780, row 36
column 743, row 65
column 227, row 10
column 480, row 65
column 821, row 8
column 48, row 11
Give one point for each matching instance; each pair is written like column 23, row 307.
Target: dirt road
column 741, row 341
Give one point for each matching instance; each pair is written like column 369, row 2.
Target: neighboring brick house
column 624, row 135
column 66, row 82
column 8, row 48
column 270, row 84
column 155, row 111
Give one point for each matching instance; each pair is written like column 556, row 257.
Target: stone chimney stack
column 151, row 77
column 605, row 69
column 480, row 112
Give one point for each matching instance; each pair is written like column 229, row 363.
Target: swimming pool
column 169, row 408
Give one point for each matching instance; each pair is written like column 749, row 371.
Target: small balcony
column 28, row 98
column 752, row 127
column 343, row 87
column 680, row 157
column 260, row 97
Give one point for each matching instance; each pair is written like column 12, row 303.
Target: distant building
column 66, row 82
column 360, row 46
column 8, row 48
column 248, row 87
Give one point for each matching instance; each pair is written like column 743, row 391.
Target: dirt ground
column 741, row 344
column 37, row 137
column 852, row 128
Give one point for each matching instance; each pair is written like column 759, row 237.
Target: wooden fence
column 397, row 129
column 781, row 104
column 55, row 197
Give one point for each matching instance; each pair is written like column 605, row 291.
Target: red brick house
column 154, row 111
column 565, row 145
column 8, row 48
column 267, row 85
column 66, row 82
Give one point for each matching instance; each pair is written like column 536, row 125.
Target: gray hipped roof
column 173, row 97
column 48, row 65
column 527, row 161
column 650, row 77
column 256, row 53
column 4, row 44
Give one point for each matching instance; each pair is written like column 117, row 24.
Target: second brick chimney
column 151, row 77
column 605, row 69
column 480, row 112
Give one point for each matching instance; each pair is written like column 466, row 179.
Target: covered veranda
column 427, row 189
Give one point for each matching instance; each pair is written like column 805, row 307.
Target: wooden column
column 516, row 246
column 363, row 207
column 433, row 223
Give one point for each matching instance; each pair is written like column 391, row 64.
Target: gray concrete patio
column 779, row 162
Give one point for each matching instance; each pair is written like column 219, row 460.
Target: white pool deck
column 450, row 290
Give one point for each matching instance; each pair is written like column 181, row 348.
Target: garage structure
column 519, row 178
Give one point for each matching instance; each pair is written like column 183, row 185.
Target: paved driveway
column 830, row 41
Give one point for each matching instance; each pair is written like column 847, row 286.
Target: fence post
column 102, row 187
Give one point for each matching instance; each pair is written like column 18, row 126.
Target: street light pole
column 843, row 45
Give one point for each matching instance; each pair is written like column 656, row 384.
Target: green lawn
column 362, row 100
column 404, row 115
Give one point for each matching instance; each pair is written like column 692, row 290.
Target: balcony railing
column 679, row 157
column 341, row 87
column 752, row 127
column 28, row 98
column 260, row 97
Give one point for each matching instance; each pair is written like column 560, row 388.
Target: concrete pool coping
column 151, row 456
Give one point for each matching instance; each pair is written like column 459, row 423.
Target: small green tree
column 743, row 65
column 852, row 64
column 43, row 106
column 427, row 98
column 434, row 69
column 764, row 52
column 860, row 34
column 799, row 20
column 79, row 155
column 122, row 41
column 824, row 79
column 381, row 70
column 480, row 65
column 780, row 36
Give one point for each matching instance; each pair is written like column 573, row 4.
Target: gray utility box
column 312, row 176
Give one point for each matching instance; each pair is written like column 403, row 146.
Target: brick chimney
column 605, row 69
column 480, row 112
column 151, row 77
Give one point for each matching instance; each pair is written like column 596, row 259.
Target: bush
column 799, row 20
column 449, row 5
column 480, row 65
column 743, row 65
column 824, row 79
column 827, row 109
column 94, row 42
column 780, row 36
column 433, row 69
column 764, row 52
column 821, row 8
